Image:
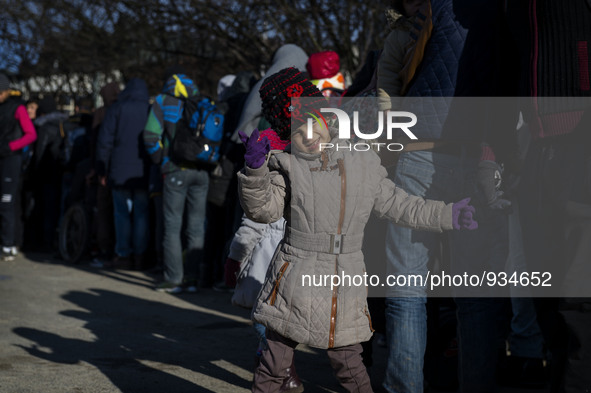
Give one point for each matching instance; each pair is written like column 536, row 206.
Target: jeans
column 409, row 252
column 260, row 330
column 448, row 178
column 155, row 189
column 184, row 188
column 132, row 224
column 406, row 326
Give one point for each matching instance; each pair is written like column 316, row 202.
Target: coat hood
column 135, row 90
column 179, row 85
column 288, row 55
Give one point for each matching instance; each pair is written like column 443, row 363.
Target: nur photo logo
column 395, row 120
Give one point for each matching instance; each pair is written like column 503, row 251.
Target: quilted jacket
column 253, row 246
column 403, row 53
column 392, row 61
column 326, row 200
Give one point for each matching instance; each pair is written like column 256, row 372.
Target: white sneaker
column 7, row 254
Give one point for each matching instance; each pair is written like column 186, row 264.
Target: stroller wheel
column 74, row 234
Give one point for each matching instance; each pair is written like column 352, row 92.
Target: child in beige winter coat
column 326, row 197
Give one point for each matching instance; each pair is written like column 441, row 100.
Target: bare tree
column 210, row 38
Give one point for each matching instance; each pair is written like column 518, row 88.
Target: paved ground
column 66, row 328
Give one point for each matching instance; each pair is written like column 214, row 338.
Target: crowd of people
column 509, row 191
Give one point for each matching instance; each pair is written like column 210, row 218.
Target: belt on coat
column 329, row 243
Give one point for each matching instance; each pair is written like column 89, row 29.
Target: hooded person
column 109, row 94
column 121, row 158
column 123, row 161
column 164, row 114
column 288, row 55
column 16, row 132
column 184, row 187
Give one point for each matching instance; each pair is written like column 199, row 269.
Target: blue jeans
column 260, row 330
column 441, row 177
column 409, row 252
column 132, row 224
column 185, row 188
column 406, row 327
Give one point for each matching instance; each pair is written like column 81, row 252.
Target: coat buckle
column 336, row 243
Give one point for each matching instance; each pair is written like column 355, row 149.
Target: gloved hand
column 489, row 180
column 462, row 215
column 256, row 150
column 231, row 269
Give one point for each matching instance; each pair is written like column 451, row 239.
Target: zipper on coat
column 333, row 306
column 369, row 319
column 273, row 296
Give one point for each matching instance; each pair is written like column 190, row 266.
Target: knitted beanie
column 276, row 93
column 4, row 82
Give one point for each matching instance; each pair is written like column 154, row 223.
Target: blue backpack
column 198, row 133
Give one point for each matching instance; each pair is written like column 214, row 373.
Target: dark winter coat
column 120, row 150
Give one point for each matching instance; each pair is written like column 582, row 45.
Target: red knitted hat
column 276, row 93
column 323, row 65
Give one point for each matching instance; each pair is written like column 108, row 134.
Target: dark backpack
column 198, row 134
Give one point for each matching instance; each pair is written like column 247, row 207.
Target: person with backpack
column 121, row 157
column 185, row 185
column 16, row 132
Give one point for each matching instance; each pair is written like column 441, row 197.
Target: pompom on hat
column 276, row 93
